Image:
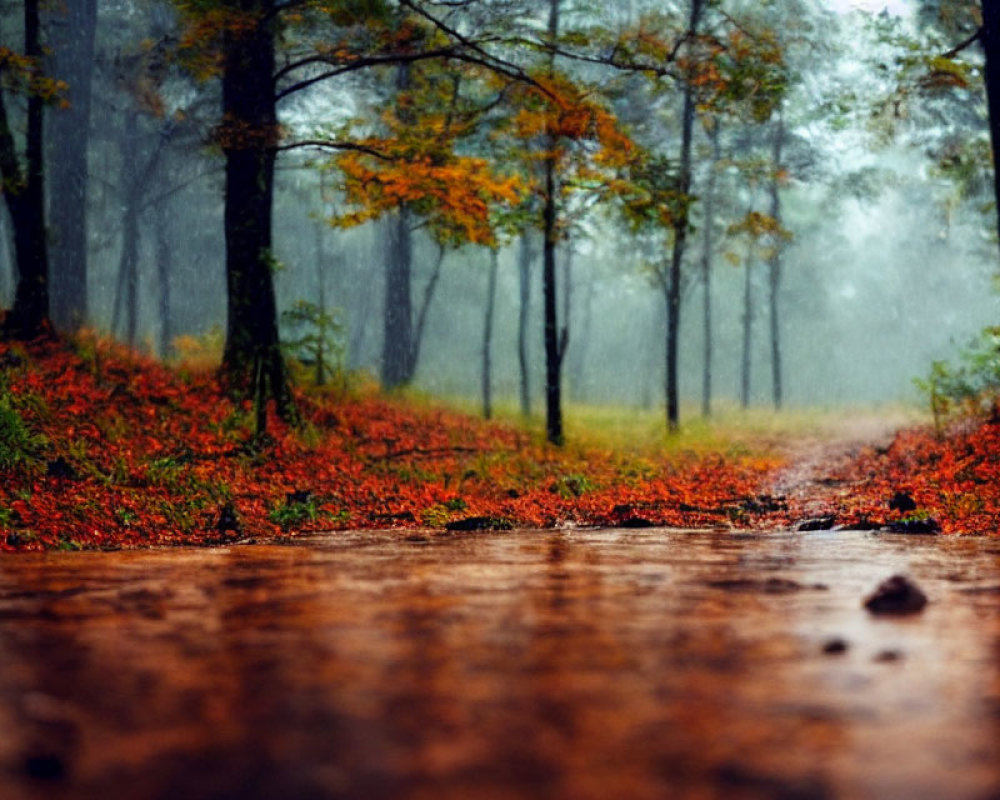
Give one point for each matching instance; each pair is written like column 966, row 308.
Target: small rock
column 480, row 524
column 228, row 520
column 817, row 524
column 45, row 766
column 927, row 525
column 897, row 595
column 835, row 646
column 902, row 502
column 888, row 657
column 61, row 468
column 636, row 522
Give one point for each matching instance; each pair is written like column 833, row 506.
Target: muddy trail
column 818, row 476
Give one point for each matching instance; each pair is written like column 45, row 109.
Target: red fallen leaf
column 154, row 454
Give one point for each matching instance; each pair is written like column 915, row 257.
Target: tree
column 487, row 353
column 71, row 28
column 673, row 285
column 412, row 174
column 555, row 340
column 24, row 185
column 525, row 257
column 708, row 225
column 774, row 260
column 990, row 37
column 238, row 41
column 249, row 136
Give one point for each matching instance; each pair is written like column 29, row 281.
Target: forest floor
column 103, row 449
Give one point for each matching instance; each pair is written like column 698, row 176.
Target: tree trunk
column 132, row 185
column 680, row 240
column 164, row 269
column 71, row 33
column 555, row 341
column 397, row 341
column 524, row 259
column 252, row 362
column 774, row 269
column 398, row 352
column 25, row 196
column 706, row 272
column 747, row 328
column 429, row 290
column 581, row 345
column 990, row 40
column 491, row 299
column 7, row 268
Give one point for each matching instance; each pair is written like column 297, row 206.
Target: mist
column 889, row 263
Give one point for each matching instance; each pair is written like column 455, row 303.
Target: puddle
column 567, row 664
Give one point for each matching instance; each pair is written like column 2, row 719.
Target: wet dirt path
column 809, row 483
column 554, row 664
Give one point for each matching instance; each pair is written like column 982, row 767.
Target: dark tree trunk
column 319, row 263
column 680, row 240
column 555, row 340
column 164, row 269
column 125, row 319
column 990, row 39
column 747, row 328
column 429, row 289
column 25, row 196
column 397, row 341
column 706, row 272
column 7, row 268
column 774, row 269
column 252, row 363
column 581, row 344
column 71, row 33
column 524, row 259
column 491, row 300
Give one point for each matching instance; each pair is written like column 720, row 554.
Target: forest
column 499, row 399
column 235, row 232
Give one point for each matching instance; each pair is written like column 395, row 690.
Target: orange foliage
column 457, row 194
column 953, row 481
column 124, row 452
column 135, row 454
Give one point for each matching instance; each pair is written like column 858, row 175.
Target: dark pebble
column 888, row 657
column 897, row 595
column 835, row 646
column 45, row 767
column 817, row 524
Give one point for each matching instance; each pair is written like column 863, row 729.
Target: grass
column 642, row 432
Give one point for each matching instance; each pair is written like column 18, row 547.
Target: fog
column 890, row 262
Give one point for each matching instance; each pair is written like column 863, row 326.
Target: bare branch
column 964, row 45
column 331, row 144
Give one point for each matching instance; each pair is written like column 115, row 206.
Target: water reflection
column 569, row 664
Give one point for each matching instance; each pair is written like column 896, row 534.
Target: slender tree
column 24, row 186
column 555, row 339
column 673, row 288
column 525, row 256
column 398, row 351
column 707, row 246
column 487, row 352
column 774, row 261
